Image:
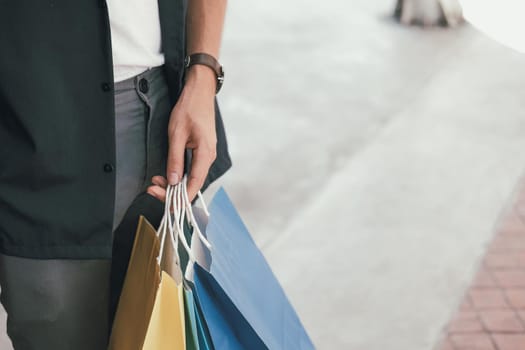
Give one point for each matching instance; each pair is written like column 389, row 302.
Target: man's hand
column 192, row 126
column 158, row 189
column 192, row 121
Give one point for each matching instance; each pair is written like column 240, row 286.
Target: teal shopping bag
column 192, row 337
column 197, row 333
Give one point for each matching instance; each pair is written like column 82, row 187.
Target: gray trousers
column 63, row 304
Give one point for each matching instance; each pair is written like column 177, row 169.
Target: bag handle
column 172, row 224
column 166, row 226
column 177, row 196
column 191, row 216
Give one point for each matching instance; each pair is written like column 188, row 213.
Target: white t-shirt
column 135, row 36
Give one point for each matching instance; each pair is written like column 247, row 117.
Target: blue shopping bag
column 242, row 302
column 226, row 325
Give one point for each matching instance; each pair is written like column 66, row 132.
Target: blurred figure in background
column 429, row 12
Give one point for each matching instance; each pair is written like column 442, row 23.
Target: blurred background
column 374, row 161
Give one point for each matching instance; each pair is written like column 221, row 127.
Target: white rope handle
column 165, row 223
column 180, row 215
column 203, row 202
column 177, row 199
column 177, row 213
column 180, row 200
column 172, row 224
column 189, row 211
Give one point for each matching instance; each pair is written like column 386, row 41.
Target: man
column 96, row 106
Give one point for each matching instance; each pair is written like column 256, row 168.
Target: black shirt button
column 106, row 87
column 143, row 85
column 102, row 4
column 108, row 168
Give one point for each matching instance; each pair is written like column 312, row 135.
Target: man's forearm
column 204, row 26
column 192, row 120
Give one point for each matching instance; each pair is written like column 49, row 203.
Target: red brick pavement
column 492, row 314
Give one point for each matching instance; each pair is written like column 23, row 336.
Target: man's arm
column 192, row 121
column 204, row 26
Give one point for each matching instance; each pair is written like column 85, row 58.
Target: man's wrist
column 209, row 61
column 202, row 77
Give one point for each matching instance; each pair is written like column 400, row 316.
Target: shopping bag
column 239, row 290
column 227, row 326
column 213, row 330
column 192, row 337
column 166, row 326
column 166, row 329
column 203, row 332
column 138, row 294
column 123, row 239
column 150, row 312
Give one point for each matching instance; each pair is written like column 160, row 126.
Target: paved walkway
column 492, row 313
column 371, row 161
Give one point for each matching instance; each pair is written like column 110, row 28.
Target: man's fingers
column 176, row 157
column 159, row 181
column 157, row 192
column 201, row 160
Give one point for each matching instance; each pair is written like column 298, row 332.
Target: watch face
column 220, row 79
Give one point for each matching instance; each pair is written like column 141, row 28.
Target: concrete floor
column 371, row 161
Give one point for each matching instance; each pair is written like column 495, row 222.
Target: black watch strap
column 206, row 60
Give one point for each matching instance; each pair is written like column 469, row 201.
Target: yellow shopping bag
column 166, row 326
column 150, row 313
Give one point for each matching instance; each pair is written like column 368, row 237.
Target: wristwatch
column 209, row 61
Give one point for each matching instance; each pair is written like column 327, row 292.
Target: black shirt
column 57, row 124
